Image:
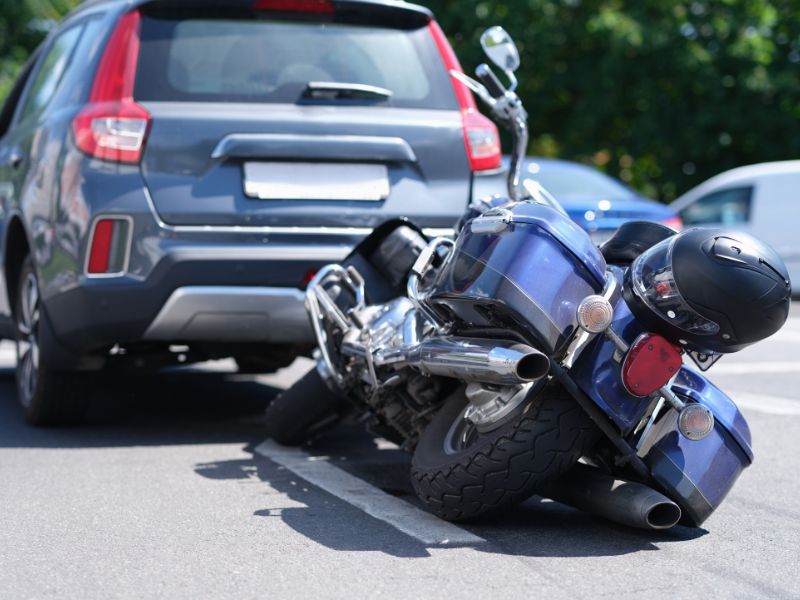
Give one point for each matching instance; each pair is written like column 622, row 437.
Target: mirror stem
column 512, row 79
column 519, row 133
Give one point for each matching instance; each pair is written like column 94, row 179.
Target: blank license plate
column 315, row 181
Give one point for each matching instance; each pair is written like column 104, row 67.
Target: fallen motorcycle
column 521, row 359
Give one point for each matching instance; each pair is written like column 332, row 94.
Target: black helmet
column 711, row 290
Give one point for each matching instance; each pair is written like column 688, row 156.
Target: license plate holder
column 316, row 181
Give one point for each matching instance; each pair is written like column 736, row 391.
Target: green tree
column 662, row 94
column 23, row 25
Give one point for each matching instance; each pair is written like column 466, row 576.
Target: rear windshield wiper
column 331, row 90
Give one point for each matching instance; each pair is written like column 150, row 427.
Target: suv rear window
column 219, row 60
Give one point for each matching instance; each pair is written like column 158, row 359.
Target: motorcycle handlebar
column 490, row 81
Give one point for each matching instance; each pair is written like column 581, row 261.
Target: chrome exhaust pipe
column 473, row 359
column 633, row 504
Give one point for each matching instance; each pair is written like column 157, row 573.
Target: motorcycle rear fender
column 699, row 474
column 696, row 474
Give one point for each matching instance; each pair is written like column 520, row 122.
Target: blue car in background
column 597, row 202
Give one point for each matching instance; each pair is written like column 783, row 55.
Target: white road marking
column 400, row 514
column 771, row 405
column 749, row 368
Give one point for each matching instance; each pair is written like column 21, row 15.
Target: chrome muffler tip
column 532, row 366
column 476, row 359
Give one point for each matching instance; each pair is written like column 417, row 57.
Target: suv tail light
column 112, row 126
column 651, row 362
column 480, row 135
column 109, row 246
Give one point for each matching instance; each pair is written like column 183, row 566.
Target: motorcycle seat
column 632, row 239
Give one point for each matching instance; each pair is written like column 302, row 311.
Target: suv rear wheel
column 47, row 396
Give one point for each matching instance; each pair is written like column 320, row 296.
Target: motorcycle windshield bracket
column 425, row 261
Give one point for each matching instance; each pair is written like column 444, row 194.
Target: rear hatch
column 339, row 114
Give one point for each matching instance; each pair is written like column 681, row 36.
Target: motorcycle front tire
column 547, row 436
column 303, row 411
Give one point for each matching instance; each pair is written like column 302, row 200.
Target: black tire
column 303, row 411
column 255, row 364
column 48, row 397
column 547, row 436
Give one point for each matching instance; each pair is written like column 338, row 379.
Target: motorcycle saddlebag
column 530, row 276
column 699, row 474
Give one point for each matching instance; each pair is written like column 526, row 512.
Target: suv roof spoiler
column 391, row 13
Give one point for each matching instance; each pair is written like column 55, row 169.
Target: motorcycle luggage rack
column 321, row 305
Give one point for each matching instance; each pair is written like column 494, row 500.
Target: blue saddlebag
column 699, row 474
column 532, row 274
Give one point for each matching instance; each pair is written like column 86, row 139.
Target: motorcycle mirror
column 500, row 48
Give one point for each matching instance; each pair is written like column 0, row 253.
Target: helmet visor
column 654, row 283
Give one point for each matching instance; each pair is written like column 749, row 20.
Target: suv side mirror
column 500, row 49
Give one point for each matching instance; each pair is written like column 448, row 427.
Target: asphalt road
column 163, row 495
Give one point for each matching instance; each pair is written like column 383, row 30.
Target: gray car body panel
column 185, row 235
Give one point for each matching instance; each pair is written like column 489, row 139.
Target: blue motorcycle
column 521, row 359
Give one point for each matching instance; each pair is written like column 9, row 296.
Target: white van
column 762, row 199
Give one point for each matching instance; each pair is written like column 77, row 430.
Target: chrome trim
column 582, row 338
column 232, row 313
column 650, row 421
column 490, row 405
column 492, row 221
column 330, row 146
column 321, row 306
column 418, row 271
column 473, row 359
column 432, row 232
column 284, row 252
column 667, row 393
column 126, row 261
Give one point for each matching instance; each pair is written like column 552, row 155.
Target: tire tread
column 539, row 447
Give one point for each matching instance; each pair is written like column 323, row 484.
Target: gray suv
column 172, row 173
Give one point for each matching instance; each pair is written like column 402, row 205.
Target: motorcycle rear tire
column 303, row 411
column 505, row 466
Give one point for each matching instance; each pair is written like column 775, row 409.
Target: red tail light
column 650, row 364
column 112, row 126
column 480, row 134
column 675, row 222
column 296, row 6
column 109, row 247
column 100, row 251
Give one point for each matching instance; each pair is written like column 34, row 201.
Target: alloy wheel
column 27, row 339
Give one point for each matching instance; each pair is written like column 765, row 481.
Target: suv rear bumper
column 209, row 294
column 232, row 314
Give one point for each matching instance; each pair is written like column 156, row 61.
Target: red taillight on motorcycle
column 480, row 135
column 109, row 247
column 675, row 222
column 112, row 126
column 651, row 362
column 296, row 6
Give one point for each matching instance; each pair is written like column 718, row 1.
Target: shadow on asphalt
column 140, row 409
column 537, row 527
column 200, row 407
